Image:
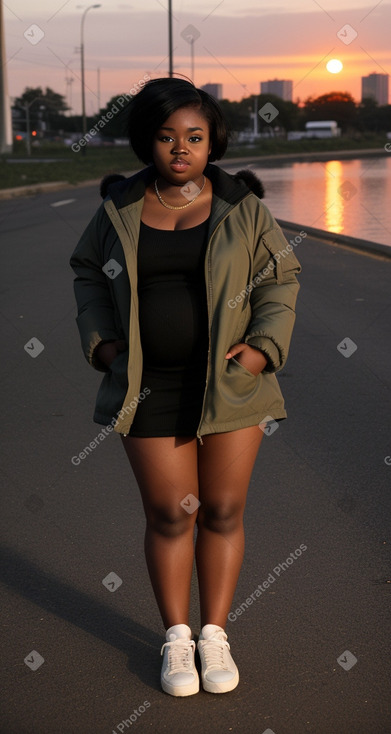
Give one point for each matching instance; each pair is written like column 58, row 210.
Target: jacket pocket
column 283, row 256
column 238, row 391
column 248, row 372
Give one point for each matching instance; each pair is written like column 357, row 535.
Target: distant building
column 280, row 87
column 375, row 86
column 215, row 90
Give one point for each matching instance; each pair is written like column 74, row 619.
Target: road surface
column 81, row 634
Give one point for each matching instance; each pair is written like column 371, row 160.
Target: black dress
column 173, row 321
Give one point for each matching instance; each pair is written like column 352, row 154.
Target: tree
column 239, row 114
column 384, row 117
column 367, row 115
column 373, row 118
column 116, row 113
column 36, row 97
column 288, row 112
column 45, row 109
column 339, row 106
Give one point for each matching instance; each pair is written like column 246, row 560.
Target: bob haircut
column 159, row 99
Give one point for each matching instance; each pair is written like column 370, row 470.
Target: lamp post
column 255, row 115
column 192, row 58
column 26, row 108
column 170, row 59
column 83, row 98
column 6, row 135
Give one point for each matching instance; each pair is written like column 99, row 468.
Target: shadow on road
column 82, row 610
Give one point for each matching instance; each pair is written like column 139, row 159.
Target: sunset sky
column 239, row 45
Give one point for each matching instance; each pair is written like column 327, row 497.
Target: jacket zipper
column 209, row 336
column 209, row 317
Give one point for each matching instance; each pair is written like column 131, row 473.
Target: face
column 181, row 146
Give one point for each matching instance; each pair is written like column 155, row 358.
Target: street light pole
column 26, row 108
column 28, row 141
column 192, row 58
column 6, row 135
column 170, row 62
column 256, row 115
column 83, row 97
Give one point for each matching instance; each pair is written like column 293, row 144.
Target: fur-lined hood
column 246, row 175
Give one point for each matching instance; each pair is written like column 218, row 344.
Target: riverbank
column 57, row 164
column 364, row 247
column 47, row 182
column 307, row 156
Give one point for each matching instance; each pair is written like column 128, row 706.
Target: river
column 350, row 197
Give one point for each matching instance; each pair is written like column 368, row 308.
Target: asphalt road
column 313, row 648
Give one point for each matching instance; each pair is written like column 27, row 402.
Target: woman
column 186, row 295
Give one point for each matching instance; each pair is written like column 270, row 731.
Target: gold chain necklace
column 169, row 206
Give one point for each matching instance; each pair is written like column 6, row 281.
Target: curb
column 364, row 247
column 46, row 188
column 32, row 189
column 310, row 156
column 42, row 188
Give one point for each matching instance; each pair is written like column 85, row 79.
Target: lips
column 179, row 165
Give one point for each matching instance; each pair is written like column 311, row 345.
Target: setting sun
column 334, row 66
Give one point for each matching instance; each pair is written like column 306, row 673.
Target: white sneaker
column 179, row 676
column 219, row 672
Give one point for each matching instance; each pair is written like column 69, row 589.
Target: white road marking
column 63, row 202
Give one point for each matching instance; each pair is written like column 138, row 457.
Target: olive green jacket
column 251, row 286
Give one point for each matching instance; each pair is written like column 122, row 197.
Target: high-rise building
column 375, row 86
column 215, row 90
column 280, row 87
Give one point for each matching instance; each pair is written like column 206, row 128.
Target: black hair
column 159, row 99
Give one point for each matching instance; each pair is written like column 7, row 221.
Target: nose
column 179, row 147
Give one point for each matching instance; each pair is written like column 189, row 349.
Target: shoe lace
column 213, row 650
column 180, row 655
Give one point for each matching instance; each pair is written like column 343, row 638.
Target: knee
column 169, row 521
column 222, row 518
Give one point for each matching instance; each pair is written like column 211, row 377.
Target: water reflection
column 307, row 193
column 333, row 201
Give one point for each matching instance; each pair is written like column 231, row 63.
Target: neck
column 165, row 185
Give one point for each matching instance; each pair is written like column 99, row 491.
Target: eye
column 166, row 138
column 195, row 139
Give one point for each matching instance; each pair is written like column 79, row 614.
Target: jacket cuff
column 269, row 349
column 95, row 339
column 95, row 361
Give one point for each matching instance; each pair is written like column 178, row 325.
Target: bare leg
column 166, row 472
column 225, row 464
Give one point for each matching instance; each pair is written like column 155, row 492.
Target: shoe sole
column 180, row 691
column 226, row 687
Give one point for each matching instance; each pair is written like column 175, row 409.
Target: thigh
column 225, row 464
column 165, row 469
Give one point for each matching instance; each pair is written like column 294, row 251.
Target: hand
column 106, row 352
column 250, row 357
